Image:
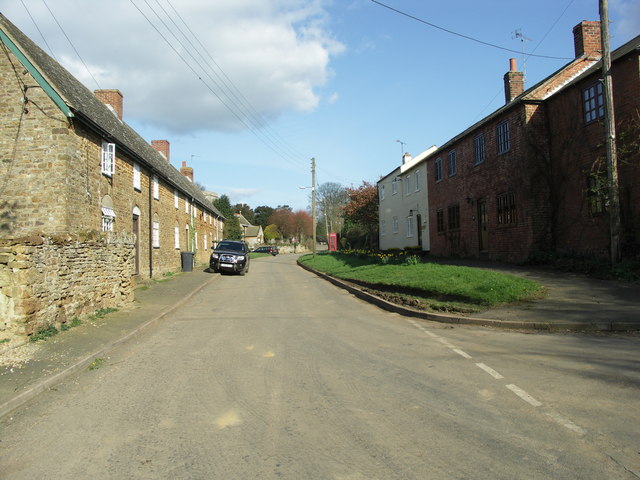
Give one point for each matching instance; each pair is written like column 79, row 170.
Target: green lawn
column 435, row 286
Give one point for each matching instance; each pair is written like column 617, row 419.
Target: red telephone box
column 333, row 242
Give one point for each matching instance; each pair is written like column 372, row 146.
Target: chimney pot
column 512, row 65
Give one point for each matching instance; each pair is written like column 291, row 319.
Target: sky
column 247, row 92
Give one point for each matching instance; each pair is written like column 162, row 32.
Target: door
column 483, row 233
column 419, row 227
column 136, row 246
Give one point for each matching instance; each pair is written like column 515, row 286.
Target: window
column 156, row 231
column 454, row 217
column 440, row 220
column 383, row 228
column 136, row 176
column 593, row 101
column 452, row 167
column 394, row 186
column 176, row 197
column 396, row 226
column 410, row 226
column 596, row 194
column 437, row 165
column 176, row 236
column 478, row 149
column 407, row 185
column 108, row 214
column 502, row 134
column 204, row 245
column 418, row 180
column 195, row 240
column 156, row 188
column 108, row 164
column 506, row 208
column 186, row 205
column 381, row 192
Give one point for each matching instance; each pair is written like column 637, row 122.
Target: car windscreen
column 230, row 246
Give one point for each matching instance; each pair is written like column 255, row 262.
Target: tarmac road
column 279, row 374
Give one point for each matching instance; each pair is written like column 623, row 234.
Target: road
column 279, row 374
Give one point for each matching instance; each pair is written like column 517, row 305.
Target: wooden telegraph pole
column 610, row 126
column 313, row 202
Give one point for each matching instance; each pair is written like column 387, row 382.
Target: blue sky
column 338, row 80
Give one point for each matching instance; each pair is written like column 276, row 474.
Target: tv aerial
column 517, row 34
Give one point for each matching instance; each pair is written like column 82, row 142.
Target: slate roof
column 97, row 116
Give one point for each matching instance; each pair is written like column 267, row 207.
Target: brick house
column 521, row 180
column 86, row 205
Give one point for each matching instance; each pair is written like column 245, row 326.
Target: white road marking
column 489, row 370
column 565, row 422
column 462, row 353
column 524, row 395
column 445, row 342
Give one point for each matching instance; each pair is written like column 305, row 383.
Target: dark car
column 230, row 256
column 273, row 250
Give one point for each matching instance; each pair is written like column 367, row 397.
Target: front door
column 136, row 247
column 419, row 227
column 483, row 233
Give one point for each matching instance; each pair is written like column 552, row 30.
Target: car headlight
column 214, row 256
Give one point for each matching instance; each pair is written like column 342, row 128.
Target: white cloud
column 275, row 52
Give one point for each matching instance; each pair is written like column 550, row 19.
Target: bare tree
column 331, row 197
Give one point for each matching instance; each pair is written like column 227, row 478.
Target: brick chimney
column 513, row 82
column 112, row 99
column 187, row 171
column 161, row 146
column 587, row 40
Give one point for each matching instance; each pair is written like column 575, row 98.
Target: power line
column 227, row 100
column 38, row 28
column 467, row 37
column 71, row 43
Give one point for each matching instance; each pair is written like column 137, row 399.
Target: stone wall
column 47, row 280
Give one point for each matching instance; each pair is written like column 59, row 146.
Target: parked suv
column 272, row 249
column 230, row 256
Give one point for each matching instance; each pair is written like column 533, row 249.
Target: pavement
column 573, row 303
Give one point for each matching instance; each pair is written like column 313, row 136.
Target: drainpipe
column 151, row 224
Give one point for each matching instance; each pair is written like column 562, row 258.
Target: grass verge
column 427, row 285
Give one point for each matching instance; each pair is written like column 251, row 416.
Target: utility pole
column 610, row 126
column 313, row 202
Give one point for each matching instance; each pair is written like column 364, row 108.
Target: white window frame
column 410, row 226
column 156, row 233
column 396, row 226
column 382, row 192
column 156, row 188
column 407, row 185
column 136, row 176
column 383, row 228
column 394, row 186
column 108, row 159
column 107, row 223
column 176, row 197
column 186, row 205
column 418, row 180
column 176, row 237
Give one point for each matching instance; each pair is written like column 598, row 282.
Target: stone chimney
column 587, row 40
column 161, row 146
column 187, row 171
column 112, row 99
column 513, row 82
column 406, row 158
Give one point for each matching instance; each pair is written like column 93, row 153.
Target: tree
column 303, row 225
column 246, row 212
column 361, row 213
column 271, row 232
column 223, row 205
column 283, row 218
column 331, row 197
column 261, row 215
column 232, row 228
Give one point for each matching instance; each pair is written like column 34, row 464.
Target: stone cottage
column 87, row 206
